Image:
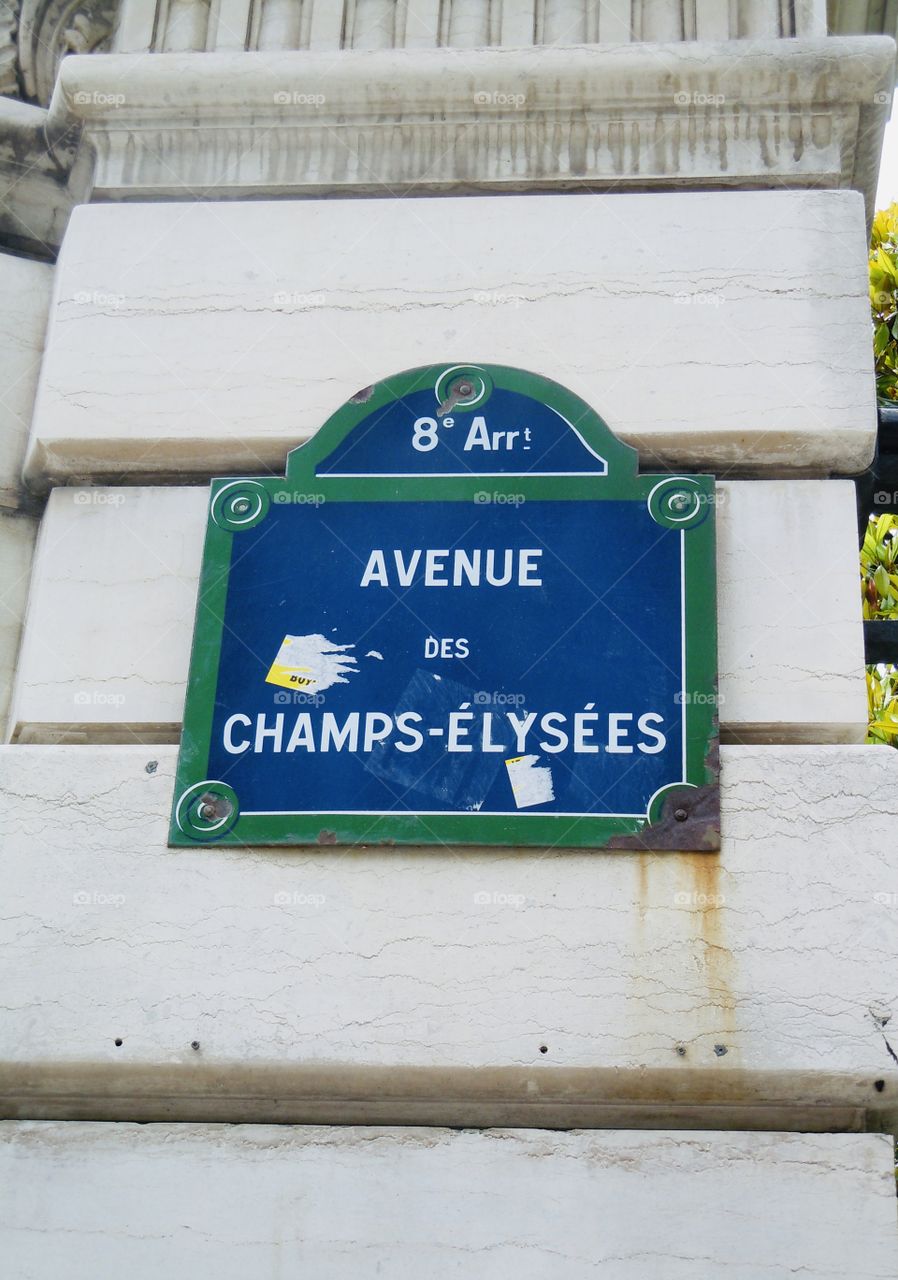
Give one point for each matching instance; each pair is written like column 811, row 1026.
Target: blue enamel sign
column 462, row 617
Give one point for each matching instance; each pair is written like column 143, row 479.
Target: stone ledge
column 236, row 1201
column 195, row 339
column 665, row 988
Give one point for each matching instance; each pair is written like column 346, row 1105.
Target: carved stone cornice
column 797, row 113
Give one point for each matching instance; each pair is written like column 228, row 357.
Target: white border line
column 426, row 813
column 510, row 813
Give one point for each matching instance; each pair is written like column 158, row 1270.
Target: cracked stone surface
column 783, row 949
column 742, row 344
column 274, row 1201
column 791, row 668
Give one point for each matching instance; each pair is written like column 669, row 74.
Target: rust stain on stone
column 690, row 816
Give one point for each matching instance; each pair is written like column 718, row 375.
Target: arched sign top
column 451, row 420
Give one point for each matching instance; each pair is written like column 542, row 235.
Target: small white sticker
column 530, row 783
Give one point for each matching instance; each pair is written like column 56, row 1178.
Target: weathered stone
column 754, row 988
column 237, row 1201
column 212, row 338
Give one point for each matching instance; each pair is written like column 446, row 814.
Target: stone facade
column 220, row 220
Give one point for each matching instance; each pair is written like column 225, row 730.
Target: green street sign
column 461, row 617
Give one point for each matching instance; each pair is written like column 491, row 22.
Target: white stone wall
column 93, row 1200
column 753, row 987
column 725, row 331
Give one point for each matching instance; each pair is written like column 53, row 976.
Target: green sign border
column 684, row 816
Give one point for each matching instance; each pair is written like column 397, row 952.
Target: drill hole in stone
column 118, row 1042
column 544, row 1048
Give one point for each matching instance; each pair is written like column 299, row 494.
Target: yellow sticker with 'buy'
column 289, row 677
column 289, row 674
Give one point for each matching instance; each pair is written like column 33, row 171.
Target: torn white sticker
column 530, row 783
column 311, row 663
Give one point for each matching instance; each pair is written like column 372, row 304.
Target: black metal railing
column 877, row 494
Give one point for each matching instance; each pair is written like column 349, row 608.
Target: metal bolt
column 681, row 814
column 720, row 1050
column 151, row 766
column 464, row 388
column 681, row 1051
column 207, row 811
column 241, row 505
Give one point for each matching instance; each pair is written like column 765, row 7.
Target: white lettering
column 227, row 736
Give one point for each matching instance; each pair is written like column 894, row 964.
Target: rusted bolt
column 681, row 814
column 151, row 766
column 720, row 1050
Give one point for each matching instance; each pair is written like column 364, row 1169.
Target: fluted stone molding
column 181, row 25
column 859, row 17
column 796, row 113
